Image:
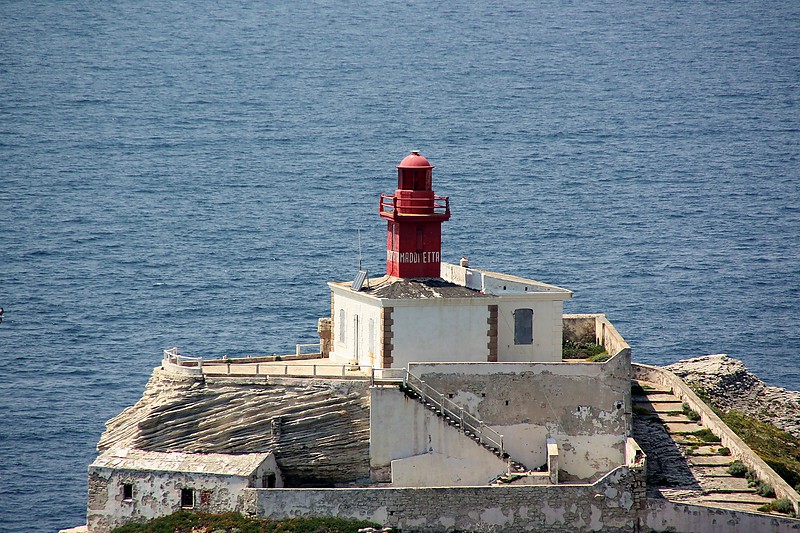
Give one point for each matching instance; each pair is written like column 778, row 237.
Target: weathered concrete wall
column 611, row 505
column 547, row 330
column 608, row 336
column 419, row 449
column 317, row 428
column 594, row 328
column 584, row 406
column 664, row 515
column 709, row 419
column 156, row 494
column 579, row 328
column 358, row 343
column 441, row 330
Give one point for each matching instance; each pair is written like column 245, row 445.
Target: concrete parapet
column 666, row 515
column 596, row 328
column 729, row 439
column 610, row 504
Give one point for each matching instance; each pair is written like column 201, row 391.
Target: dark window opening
column 205, row 497
column 187, row 498
column 450, row 395
column 523, row 326
column 506, row 402
column 127, row 491
column 268, row 481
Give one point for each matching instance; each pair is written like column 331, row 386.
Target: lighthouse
column 414, row 215
column 428, row 310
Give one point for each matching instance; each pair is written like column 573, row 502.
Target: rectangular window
column 127, row 491
column 342, row 326
column 523, row 326
column 187, row 498
column 371, row 346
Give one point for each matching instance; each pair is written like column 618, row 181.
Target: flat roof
column 393, row 288
column 207, row 463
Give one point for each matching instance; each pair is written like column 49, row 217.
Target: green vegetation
column 782, row 505
column 778, row 448
column 737, row 469
column 705, row 435
column 724, row 451
column 639, row 410
column 690, row 413
column 583, row 350
column 765, row 490
column 186, row 522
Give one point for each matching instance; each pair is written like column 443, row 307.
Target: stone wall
column 156, row 494
column 739, row 450
column 665, row 515
column 611, row 504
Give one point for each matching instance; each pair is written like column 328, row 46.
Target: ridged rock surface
column 728, row 384
column 318, row 429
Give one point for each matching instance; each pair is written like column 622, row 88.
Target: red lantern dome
column 415, row 215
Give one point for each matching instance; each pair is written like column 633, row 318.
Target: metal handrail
column 388, row 204
column 173, row 357
column 299, row 348
column 450, row 409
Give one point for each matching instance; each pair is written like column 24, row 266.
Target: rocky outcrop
column 318, row 429
column 727, row 384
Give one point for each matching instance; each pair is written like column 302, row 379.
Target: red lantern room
column 415, row 215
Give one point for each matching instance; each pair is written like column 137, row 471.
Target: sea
column 192, row 173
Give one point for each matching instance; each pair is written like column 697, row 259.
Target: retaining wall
column 612, row 504
column 665, row 515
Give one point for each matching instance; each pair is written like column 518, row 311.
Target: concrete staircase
column 457, row 417
column 682, row 466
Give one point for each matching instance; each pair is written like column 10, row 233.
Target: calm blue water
column 192, row 173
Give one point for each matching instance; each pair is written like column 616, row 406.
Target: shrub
column 765, row 490
column 706, row 435
column 600, row 358
column 737, row 469
column 690, row 413
column 783, row 505
column 724, row 451
column 581, row 350
column 229, row 522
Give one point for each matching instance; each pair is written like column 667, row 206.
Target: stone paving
column 681, row 466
